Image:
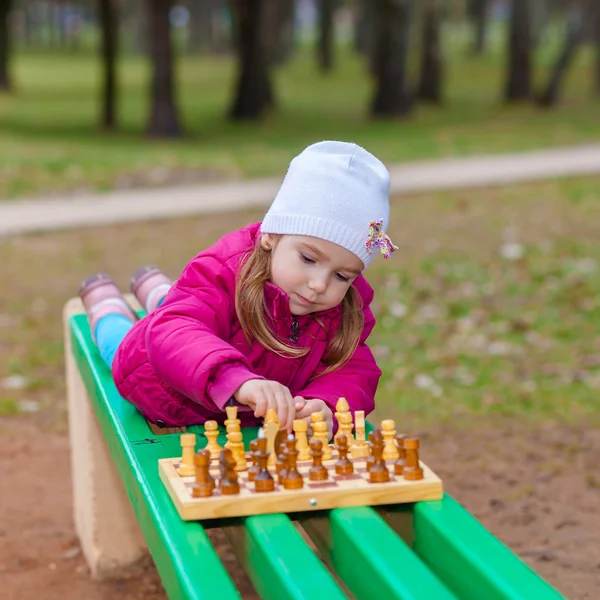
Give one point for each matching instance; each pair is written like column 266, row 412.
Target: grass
column 49, row 142
column 489, row 308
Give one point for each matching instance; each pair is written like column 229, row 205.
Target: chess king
column 275, row 315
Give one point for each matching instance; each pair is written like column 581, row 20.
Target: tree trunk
column 5, row 8
column 201, row 30
column 392, row 97
column 431, row 75
column 364, row 24
column 325, row 42
column 164, row 118
column 518, row 86
column 573, row 39
column 479, row 15
column 596, row 37
column 253, row 94
column 109, row 27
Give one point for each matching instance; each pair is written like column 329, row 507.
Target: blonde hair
column 254, row 273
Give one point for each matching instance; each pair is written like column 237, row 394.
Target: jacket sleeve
column 187, row 340
column 356, row 381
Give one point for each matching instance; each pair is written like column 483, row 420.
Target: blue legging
column 109, row 333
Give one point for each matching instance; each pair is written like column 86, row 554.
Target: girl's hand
column 316, row 406
column 261, row 395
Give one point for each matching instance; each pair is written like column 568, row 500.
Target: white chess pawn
column 211, row 432
column 388, row 430
column 300, row 431
column 236, row 445
column 320, row 430
column 188, row 445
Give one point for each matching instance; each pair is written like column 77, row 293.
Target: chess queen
column 274, row 315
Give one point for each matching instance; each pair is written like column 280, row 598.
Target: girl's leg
column 109, row 315
column 109, row 333
column 150, row 286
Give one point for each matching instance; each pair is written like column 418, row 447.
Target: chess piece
column 204, row 484
column 378, row 472
column 188, row 446
column 341, row 408
column 300, row 430
column 345, row 427
column 232, row 423
column 263, row 482
column 314, row 418
column 271, row 429
column 211, row 432
column 359, row 449
column 236, row 445
column 318, row 472
column 388, row 430
column 320, row 429
column 412, row 467
column 292, row 479
column 254, row 468
column 229, row 484
column 344, row 465
column 282, row 462
column 401, row 460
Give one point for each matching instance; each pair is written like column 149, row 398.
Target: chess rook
column 229, row 484
column 378, row 472
column 188, row 446
column 401, row 460
column 300, row 427
column 359, row 448
column 204, row 484
column 412, row 467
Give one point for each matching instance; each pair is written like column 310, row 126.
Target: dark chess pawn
column 204, row 484
column 378, row 473
column 292, row 479
column 401, row 460
column 229, row 479
column 318, row 472
column 255, row 468
column 281, row 464
column 263, row 482
column 344, row 465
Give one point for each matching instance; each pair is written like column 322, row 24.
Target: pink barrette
column 378, row 239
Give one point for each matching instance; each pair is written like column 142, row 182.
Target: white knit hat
column 336, row 191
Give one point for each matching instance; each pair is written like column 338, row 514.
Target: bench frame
column 121, row 509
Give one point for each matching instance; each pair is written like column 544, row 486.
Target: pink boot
column 149, row 285
column 101, row 296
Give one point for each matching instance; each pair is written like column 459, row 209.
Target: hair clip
column 378, row 239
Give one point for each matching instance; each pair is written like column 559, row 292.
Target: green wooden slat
column 279, row 562
column 189, row 567
column 469, row 559
column 370, row 558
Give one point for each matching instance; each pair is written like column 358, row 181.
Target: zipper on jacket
column 295, row 329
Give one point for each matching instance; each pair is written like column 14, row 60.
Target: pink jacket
column 181, row 364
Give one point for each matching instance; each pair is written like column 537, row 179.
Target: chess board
column 337, row 491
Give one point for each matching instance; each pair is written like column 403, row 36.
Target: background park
column 488, row 315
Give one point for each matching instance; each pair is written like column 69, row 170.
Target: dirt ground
column 537, row 492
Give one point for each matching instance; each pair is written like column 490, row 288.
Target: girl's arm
column 187, row 340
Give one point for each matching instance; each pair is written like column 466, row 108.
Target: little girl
column 275, row 315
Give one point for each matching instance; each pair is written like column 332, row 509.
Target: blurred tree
column 478, row 13
column 391, row 41
column 5, row 10
column 577, row 16
column 201, row 31
column 110, row 33
column 253, row 91
column 164, row 117
column 596, row 40
column 430, row 83
column 520, row 46
column 326, row 35
column 364, row 24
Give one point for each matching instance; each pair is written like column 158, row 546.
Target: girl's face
column 314, row 273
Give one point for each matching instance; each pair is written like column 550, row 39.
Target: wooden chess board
column 337, row 491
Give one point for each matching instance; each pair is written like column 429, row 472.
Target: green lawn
column 49, row 141
column 489, row 308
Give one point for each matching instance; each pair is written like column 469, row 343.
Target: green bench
column 428, row 550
